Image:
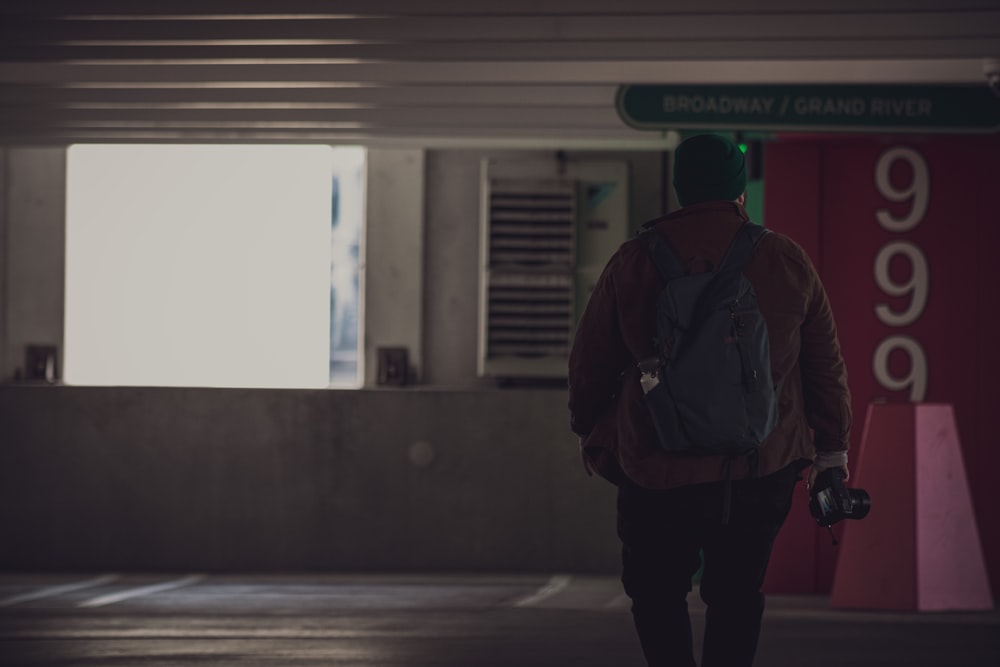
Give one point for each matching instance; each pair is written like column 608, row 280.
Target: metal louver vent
column 547, row 228
column 530, row 315
column 532, row 227
column 529, row 255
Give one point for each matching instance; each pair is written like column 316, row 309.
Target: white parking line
column 555, row 584
column 112, row 598
column 50, row 591
column 620, row 601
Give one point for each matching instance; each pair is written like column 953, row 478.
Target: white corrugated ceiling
column 441, row 72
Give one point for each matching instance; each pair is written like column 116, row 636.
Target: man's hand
column 815, row 470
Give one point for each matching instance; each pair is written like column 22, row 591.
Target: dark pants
column 663, row 534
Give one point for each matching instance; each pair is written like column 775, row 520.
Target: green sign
column 880, row 108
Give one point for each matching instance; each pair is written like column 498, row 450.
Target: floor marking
column 620, row 601
column 555, row 584
column 51, row 591
column 112, row 598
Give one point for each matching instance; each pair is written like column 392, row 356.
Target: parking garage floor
column 428, row 620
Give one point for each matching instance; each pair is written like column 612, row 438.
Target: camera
column 831, row 501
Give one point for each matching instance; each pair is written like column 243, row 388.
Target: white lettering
column 916, row 193
column 827, row 106
column 915, row 380
column 725, row 104
column 917, row 286
column 901, row 108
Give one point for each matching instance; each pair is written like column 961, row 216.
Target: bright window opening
column 211, row 265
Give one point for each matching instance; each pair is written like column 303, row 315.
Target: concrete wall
column 392, row 270
column 4, row 263
column 215, row 479
column 210, row 479
column 32, row 252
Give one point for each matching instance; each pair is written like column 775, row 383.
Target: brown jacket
column 605, row 399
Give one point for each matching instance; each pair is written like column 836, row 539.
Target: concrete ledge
column 234, row 479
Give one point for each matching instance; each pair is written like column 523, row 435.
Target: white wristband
column 825, row 460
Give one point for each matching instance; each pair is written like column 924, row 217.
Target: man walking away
column 674, row 507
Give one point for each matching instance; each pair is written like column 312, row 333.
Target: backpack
column 708, row 386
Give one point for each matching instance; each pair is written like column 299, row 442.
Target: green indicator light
column 742, row 147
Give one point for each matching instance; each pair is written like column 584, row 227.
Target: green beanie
column 709, row 168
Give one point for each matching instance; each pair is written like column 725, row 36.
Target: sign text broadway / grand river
column 800, row 106
column 924, row 108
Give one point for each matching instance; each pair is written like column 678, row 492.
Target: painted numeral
column 915, row 286
column 914, row 381
column 916, row 193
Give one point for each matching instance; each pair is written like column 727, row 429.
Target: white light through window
column 198, row 265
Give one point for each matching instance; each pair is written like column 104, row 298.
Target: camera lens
column 861, row 503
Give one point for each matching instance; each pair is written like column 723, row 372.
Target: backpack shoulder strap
column 663, row 255
column 743, row 247
column 739, row 253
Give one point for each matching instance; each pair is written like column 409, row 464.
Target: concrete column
column 3, row 264
column 33, row 250
column 393, row 257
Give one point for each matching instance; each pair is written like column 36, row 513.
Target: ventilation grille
column 532, row 227
column 530, row 263
column 530, row 314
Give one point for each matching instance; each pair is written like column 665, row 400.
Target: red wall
column 823, row 192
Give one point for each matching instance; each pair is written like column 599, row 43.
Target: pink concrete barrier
column 919, row 547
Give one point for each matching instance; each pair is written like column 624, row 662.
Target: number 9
column 915, row 380
column 916, row 285
column 917, row 190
